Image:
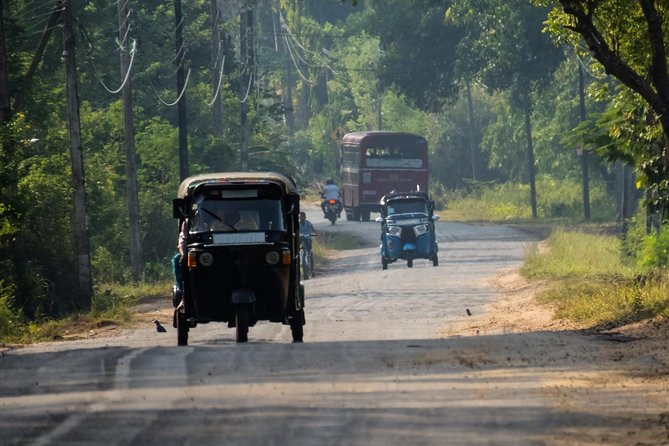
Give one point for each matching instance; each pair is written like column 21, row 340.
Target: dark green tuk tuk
column 240, row 238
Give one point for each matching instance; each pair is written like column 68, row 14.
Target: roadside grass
column 590, row 284
column 326, row 242
column 111, row 306
column 559, row 202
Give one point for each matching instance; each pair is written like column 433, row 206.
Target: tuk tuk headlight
column 192, row 259
column 394, row 230
column 272, row 257
column 420, row 229
column 206, row 259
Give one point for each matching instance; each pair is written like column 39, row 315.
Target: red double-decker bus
column 375, row 163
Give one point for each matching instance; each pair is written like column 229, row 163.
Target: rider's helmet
column 329, row 181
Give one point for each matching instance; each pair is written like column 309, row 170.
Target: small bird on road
column 469, row 313
column 159, row 328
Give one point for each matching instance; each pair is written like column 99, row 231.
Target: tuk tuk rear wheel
column 242, row 322
column 435, row 260
column 182, row 329
column 384, row 263
column 297, row 326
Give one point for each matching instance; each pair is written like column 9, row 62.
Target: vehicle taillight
column 332, row 201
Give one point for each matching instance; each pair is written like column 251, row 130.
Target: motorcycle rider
column 331, row 191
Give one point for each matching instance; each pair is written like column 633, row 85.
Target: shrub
column 653, row 250
column 11, row 319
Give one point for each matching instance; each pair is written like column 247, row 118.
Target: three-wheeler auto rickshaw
column 407, row 228
column 240, row 236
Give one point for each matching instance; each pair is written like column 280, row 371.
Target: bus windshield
column 393, row 157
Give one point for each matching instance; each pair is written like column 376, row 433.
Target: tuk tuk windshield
column 406, row 207
column 216, row 213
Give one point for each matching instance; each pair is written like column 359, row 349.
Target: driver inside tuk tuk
column 230, row 218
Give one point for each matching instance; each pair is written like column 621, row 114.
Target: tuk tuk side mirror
column 379, row 219
column 178, row 208
column 293, row 204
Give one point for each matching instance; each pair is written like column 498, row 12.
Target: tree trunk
column 5, row 107
column 85, row 293
column 585, row 155
column 37, row 58
column 130, row 151
column 470, row 112
column 530, row 162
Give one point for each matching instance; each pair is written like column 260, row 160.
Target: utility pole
column 216, row 53
column 85, row 294
column 584, row 153
column 246, row 48
column 130, row 151
column 287, row 81
column 379, row 109
column 181, row 105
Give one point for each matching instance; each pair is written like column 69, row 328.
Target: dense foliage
column 466, row 74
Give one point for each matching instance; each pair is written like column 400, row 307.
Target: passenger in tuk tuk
column 178, row 258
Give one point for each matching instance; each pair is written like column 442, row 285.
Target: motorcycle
column 332, row 210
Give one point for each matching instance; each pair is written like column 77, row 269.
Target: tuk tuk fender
column 243, row 296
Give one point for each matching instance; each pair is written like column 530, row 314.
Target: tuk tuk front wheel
column 182, row 328
column 435, row 260
column 410, row 263
column 242, row 322
column 384, row 263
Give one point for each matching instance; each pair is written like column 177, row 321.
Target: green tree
column 505, row 48
column 628, row 39
column 418, row 49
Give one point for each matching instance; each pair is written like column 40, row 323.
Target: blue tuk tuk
column 407, row 228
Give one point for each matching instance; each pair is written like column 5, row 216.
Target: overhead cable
column 181, row 93
column 133, row 51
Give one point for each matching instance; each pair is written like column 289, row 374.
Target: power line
column 127, row 73
column 181, row 93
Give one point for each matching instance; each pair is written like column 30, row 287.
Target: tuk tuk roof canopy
column 420, row 195
column 223, row 178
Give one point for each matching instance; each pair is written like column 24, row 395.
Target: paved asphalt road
column 375, row 368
